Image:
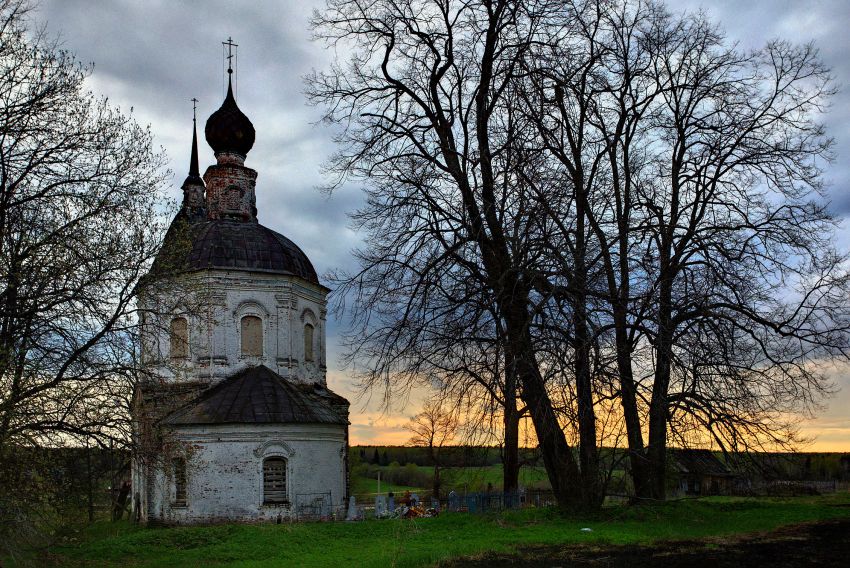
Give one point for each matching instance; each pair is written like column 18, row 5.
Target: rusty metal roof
column 259, row 395
column 700, row 462
column 230, row 245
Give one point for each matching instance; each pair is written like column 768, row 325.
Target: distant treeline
column 450, row 456
column 815, row 466
column 794, row 466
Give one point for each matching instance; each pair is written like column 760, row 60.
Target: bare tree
column 739, row 245
column 80, row 219
column 633, row 198
column 694, row 167
column 423, row 103
column 588, row 88
column 421, row 98
column 436, row 426
column 79, row 225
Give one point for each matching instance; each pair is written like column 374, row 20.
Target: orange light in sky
column 830, row 430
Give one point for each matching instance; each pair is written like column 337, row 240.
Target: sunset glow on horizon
column 372, row 426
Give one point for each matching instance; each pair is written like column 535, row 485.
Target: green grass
column 423, row 542
column 477, row 478
column 470, row 479
column 361, row 485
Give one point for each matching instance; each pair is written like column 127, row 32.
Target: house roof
column 259, row 395
column 701, row 462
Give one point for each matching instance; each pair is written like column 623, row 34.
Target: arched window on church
column 308, row 342
column 179, row 348
column 274, row 480
column 252, row 336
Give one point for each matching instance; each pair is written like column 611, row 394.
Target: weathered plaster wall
column 224, row 471
column 224, row 462
column 217, row 300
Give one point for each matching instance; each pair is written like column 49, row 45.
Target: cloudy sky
column 155, row 55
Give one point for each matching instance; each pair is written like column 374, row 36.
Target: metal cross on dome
column 231, row 54
column 230, row 45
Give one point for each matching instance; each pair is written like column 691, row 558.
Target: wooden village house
column 700, row 472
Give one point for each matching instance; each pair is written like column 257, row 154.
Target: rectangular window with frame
column 274, row 480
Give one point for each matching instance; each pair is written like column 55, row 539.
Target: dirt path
column 815, row 544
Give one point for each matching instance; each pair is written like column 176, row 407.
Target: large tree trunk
column 667, row 268
column 510, row 457
column 558, row 458
column 621, row 297
column 588, row 454
column 628, row 400
column 657, row 450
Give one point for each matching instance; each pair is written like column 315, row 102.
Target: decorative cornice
column 250, row 306
column 274, row 447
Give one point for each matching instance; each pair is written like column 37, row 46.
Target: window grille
column 179, row 481
column 274, row 480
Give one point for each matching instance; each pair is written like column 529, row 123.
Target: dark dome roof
column 228, row 129
column 230, row 245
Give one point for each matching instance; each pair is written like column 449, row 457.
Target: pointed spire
column 194, row 177
column 193, row 162
column 194, row 204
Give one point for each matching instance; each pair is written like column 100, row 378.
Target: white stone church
column 234, row 420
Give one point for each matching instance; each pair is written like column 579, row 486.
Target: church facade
column 232, row 418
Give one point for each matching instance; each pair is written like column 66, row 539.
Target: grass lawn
column 459, row 478
column 423, row 542
column 477, row 478
column 361, row 485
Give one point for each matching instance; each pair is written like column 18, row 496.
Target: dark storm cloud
column 155, row 56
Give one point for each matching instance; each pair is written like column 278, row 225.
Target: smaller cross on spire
column 194, row 109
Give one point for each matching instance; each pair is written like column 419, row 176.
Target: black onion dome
column 230, row 245
column 228, row 129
